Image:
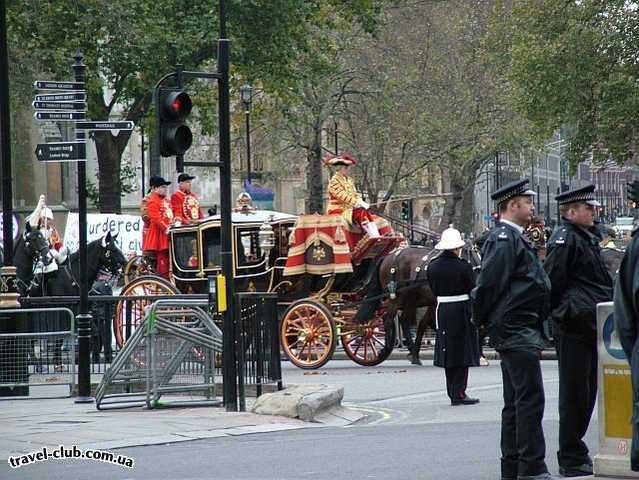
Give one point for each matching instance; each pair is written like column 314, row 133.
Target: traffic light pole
column 224, row 164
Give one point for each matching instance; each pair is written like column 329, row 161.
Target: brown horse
column 401, row 278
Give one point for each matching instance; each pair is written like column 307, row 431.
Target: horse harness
column 418, row 275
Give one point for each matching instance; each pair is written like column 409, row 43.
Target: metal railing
column 40, row 356
column 257, row 344
column 172, row 358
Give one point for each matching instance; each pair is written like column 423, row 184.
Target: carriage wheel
column 129, row 313
column 307, row 334
column 366, row 344
column 137, row 267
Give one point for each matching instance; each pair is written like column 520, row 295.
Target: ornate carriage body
column 316, row 264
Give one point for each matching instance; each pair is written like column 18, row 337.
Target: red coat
column 186, row 207
column 158, row 218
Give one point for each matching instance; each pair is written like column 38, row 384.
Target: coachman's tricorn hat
column 518, row 188
column 339, row 160
column 584, row 194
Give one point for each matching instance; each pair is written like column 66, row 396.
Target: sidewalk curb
column 305, row 402
column 402, row 354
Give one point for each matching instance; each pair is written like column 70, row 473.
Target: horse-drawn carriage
column 317, row 264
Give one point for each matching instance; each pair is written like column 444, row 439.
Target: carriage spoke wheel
column 137, row 267
column 307, row 334
column 367, row 344
column 130, row 312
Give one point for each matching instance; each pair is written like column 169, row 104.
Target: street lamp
column 246, row 94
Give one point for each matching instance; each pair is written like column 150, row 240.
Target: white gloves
column 363, row 204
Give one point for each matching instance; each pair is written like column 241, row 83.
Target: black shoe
column 464, row 401
column 578, row 471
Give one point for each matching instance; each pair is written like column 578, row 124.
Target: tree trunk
column 109, row 155
column 314, row 177
column 458, row 208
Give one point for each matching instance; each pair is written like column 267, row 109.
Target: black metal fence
column 257, row 343
column 257, row 352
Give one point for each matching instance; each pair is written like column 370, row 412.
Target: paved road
column 411, row 432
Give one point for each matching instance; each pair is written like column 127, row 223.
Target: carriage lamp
column 267, row 238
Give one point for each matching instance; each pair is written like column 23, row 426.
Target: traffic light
column 173, row 108
column 633, row 193
column 406, row 210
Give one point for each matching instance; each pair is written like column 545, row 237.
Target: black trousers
column 456, row 382
column 577, row 396
column 523, row 447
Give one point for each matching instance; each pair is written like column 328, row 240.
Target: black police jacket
column 512, row 293
column 627, row 325
column 579, row 280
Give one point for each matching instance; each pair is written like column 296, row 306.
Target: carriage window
column 285, row 231
column 248, row 248
column 186, row 251
column 211, row 247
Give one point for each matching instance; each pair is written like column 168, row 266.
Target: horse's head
column 471, row 253
column 36, row 245
column 111, row 257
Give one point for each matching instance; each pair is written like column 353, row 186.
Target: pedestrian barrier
column 38, row 359
column 257, row 344
column 176, row 350
column 614, row 400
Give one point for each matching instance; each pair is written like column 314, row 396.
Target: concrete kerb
column 306, row 402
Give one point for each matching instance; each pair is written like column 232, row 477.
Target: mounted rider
column 343, row 198
column 42, row 217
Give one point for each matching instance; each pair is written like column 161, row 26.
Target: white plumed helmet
column 451, row 240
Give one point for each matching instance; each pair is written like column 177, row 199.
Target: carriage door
column 250, row 266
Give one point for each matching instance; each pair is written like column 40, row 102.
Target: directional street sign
column 61, row 97
column 53, row 85
column 60, row 116
column 61, row 151
column 96, row 125
column 60, row 105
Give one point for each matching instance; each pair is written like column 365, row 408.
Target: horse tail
column 373, row 298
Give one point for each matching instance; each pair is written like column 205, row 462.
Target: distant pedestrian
column 511, row 298
column 627, row 326
column 579, row 281
column 456, row 345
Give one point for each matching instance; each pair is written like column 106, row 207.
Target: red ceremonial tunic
column 186, row 207
column 160, row 217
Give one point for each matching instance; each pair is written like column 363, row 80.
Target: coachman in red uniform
column 184, row 203
column 158, row 218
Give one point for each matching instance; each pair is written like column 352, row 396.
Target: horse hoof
column 414, row 359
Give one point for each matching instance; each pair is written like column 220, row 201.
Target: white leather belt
column 453, row 298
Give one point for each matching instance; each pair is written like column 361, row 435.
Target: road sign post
column 55, row 85
column 59, row 105
column 61, row 116
column 98, row 126
column 61, row 97
column 61, row 151
column 84, row 317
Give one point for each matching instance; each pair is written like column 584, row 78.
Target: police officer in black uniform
column 627, row 326
column 579, row 281
column 512, row 299
column 456, row 344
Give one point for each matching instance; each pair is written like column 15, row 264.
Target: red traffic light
column 176, row 105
